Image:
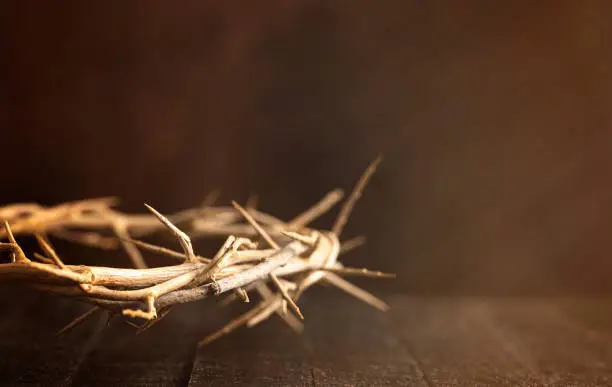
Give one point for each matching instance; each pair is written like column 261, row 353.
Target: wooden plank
column 266, row 355
column 453, row 343
column 31, row 353
column 354, row 344
column 162, row 355
column 545, row 339
column 344, row 343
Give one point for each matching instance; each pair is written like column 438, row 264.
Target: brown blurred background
column 494, row 119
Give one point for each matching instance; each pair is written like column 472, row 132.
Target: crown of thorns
column 296, row 257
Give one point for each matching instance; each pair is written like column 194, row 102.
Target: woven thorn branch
column 294, row 259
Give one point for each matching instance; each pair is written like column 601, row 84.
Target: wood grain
column 422, row 341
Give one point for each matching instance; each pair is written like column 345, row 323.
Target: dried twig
column 299, row 257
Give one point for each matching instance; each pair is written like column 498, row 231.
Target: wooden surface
column 422, row 341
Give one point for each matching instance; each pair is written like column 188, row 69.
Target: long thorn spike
column 349, row 205
column 256, row 226
column 183, row 238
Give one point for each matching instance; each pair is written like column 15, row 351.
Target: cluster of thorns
column 296, row 257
